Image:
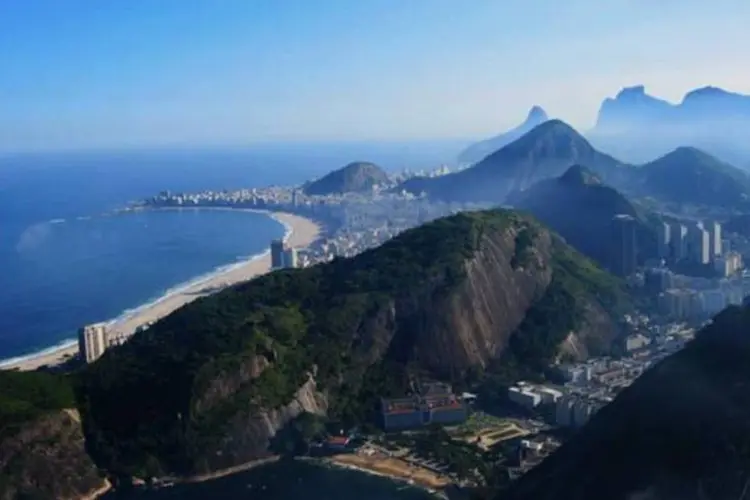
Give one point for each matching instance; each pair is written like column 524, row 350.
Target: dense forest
column 153, row 405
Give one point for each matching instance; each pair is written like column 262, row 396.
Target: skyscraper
column 277, row 254
column 92, row 341
column 714, row 232
column 678, row 241
column 699, row 244
column 624, row 244
column 290, row 257
column 665, row 238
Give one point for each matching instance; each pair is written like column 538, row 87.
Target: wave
column 185, row 286
column 166, row 294
column 60, row 346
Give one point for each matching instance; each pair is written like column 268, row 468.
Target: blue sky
column 90, row 73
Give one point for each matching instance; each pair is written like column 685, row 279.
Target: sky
column 80, row 74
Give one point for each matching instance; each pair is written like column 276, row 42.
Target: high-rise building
column 699, row 244
column 678, row 241
column 714, row 232
column 290, row 257
column 92, row 341
column 665, row 238
column 277, row 254
column 624, row 245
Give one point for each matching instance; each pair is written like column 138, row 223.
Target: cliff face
column 209, row 386
column 46, row 458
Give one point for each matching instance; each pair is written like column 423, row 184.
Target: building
column 423, row 408
column 678, row 241
column 564, row 411
column 728, row 264
column 636, row 341
column 337, row 443
column 664, row 240
column 290, row 258
column 699, row 244
column 92, row 341
column 714, row 231
column 277, row 254
column 624, row 245
column 283, row 256
column 525, row 397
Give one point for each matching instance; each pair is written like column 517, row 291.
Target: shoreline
column 300, row 232
column 331, row 462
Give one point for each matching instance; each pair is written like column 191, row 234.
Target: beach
column 301, row 232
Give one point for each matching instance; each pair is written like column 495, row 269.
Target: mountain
column 688, row 175
column 681, row 431
column 42, row 453
column 210, row 385
column 544, row 152
column 482, row 149
column 581, row 209
column 353, row 178
column 636, row 126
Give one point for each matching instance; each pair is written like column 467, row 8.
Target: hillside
column 738, row 224
column 680, row 432
column 353, row 178
column 688, row 175
column 208, row 386
column 42, row 452
column 480, row 150
column 544, row 152
column 580, row 208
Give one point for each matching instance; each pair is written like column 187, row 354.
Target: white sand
column 303, row 233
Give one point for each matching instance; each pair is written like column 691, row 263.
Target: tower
column 277, row 254
column 624, row 244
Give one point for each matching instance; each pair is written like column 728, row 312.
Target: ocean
column 64, row 262
column 290, row 480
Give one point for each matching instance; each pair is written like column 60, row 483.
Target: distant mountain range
column 358, row 176
column 579, row 207
column 482, row 149
column 636, row 126
column 681, row 431
column 544, row 152
column 684, row 175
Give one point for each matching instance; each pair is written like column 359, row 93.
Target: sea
column 289, row 480
column 67, row 260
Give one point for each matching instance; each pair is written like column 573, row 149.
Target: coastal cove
column 175, row 256
column 291, row 479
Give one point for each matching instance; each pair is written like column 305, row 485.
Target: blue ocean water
column 290, row 480
column 63, row 263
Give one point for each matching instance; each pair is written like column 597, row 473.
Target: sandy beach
column 303, row 233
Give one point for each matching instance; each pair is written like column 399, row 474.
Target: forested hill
column 208, row 386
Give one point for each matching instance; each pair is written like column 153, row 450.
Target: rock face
column 638, row 127
column 353, row 178
column 680, row 432
column 479, row 151
column 46, row 458
column 210, row 385
column 545, row 152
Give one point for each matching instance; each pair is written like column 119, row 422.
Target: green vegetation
column 680, row 430
column 354, row 177
column 160, row 401
column 25, row 396
column 524, row 247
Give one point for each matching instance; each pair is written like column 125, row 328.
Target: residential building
column 92, row 341
column 678, row 241
column 699, row 244
column 714, row 231
column 664, row 240
column 290, row 258
column 277, row 254
column 624, row 244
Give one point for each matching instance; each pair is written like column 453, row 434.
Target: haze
column 80, row 74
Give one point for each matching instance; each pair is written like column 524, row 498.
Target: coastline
column 358, row 464
column 301, row 232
